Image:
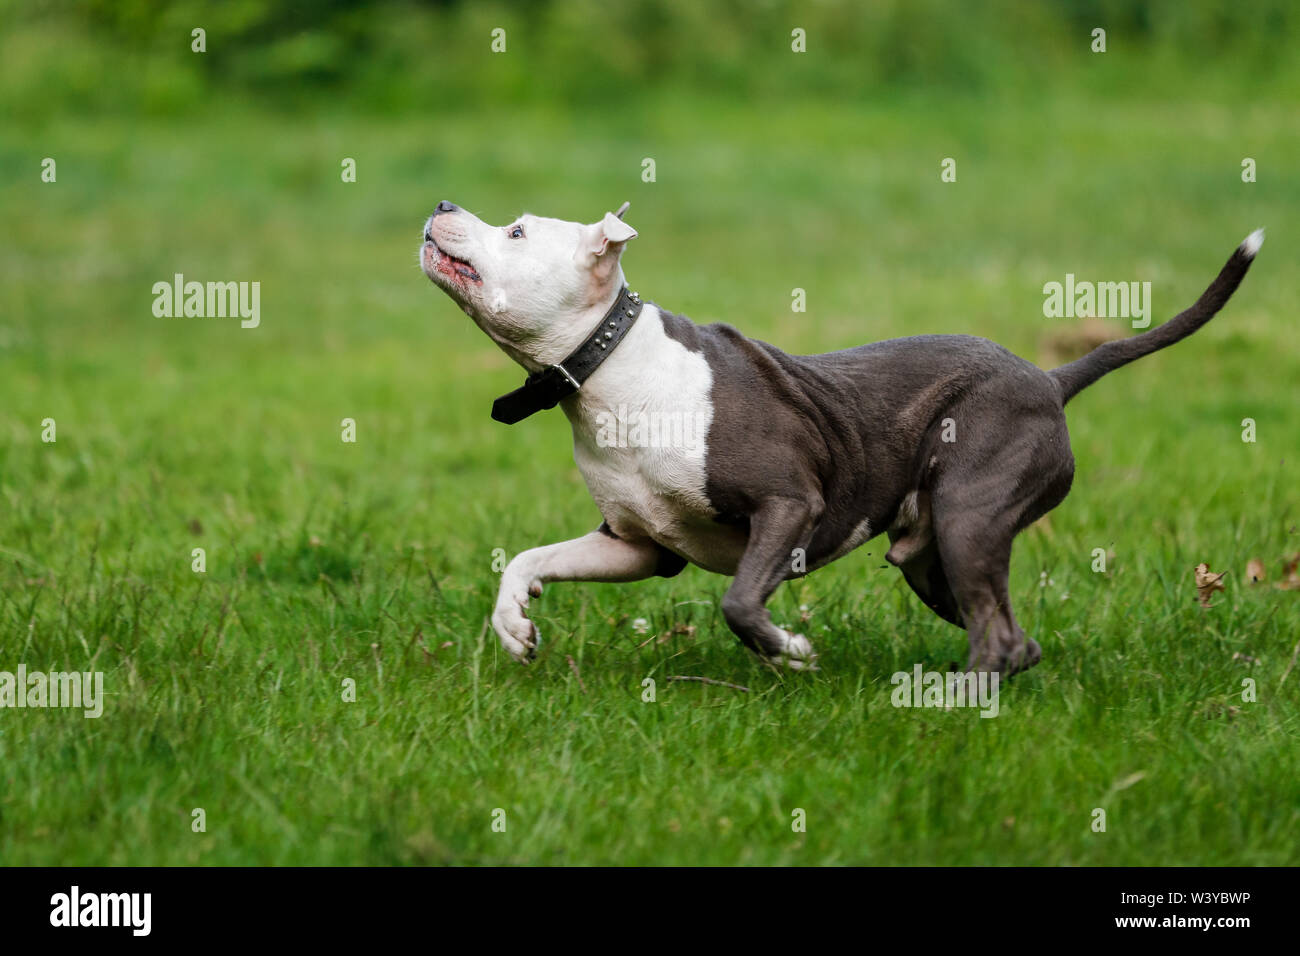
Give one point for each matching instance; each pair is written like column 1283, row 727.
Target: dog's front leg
column 599, row 556
column 778, row 527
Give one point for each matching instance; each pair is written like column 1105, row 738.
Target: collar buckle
column 565, row 372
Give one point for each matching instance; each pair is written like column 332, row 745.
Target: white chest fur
column 640, row 439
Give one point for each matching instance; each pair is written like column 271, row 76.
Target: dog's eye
column 516, row 232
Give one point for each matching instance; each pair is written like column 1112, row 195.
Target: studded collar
column 545, row 389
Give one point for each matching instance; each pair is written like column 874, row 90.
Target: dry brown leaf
column 1207, row 582
column 1290, row 576
column 1255, row 572
column 678, row 630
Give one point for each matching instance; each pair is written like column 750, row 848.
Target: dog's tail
column 1076, row 376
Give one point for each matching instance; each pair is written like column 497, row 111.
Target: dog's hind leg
column 776, row 529
column 980, row 556
column 974, row 561
column 599, row 556
column 991, row 489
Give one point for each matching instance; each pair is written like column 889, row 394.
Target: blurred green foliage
column 134, row 56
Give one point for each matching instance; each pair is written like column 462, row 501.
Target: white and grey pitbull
column 797, row 460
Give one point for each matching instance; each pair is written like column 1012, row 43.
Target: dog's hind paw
column 1007, row 662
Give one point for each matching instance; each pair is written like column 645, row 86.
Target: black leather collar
column 545, row 389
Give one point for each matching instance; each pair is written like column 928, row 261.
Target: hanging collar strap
column 546, row 388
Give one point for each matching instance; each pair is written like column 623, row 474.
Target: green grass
column 373, row 561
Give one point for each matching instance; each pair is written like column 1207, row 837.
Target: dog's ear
column 604, row 243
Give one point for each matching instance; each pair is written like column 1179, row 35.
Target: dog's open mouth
column 456, row 269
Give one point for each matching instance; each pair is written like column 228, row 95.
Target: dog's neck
column 634, row 371
column 561, row 337
column 559, row 380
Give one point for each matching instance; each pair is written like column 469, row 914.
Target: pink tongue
column 448, row 265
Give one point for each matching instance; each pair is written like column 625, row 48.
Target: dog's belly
column 659, row 494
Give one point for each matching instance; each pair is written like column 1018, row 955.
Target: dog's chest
column 641, row 443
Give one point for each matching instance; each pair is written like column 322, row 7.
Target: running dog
column 949, row 444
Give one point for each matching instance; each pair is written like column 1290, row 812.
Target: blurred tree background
column 134, row 56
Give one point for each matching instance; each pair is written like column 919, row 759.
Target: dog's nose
column 445, row 206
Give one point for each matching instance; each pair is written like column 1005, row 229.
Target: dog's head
column 532, row 284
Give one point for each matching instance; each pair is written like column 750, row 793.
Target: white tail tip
column 1250, row 245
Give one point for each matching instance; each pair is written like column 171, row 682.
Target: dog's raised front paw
column 519, row 636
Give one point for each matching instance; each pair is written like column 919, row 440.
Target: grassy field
column 372, row 561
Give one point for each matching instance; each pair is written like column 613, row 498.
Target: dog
column 949, row 444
